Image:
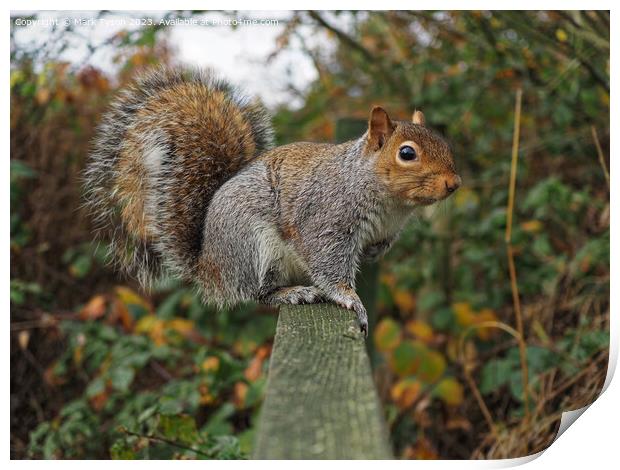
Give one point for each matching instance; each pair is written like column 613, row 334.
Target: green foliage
column 155, row 383
column 73, row 434
column 80, row 260
column 499, row 372
column 19, row 290
column 20, row 172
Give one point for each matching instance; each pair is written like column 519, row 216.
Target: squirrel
column 185, row 175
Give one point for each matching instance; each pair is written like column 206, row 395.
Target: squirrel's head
column 414, row 163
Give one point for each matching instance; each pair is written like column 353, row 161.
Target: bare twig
column 511, row 262
column 593, row 364
column 467, row 367
column 513, row 165
column 344, row 37
column 161, row 371
column 601, row 157
column 164, row 440
column 481, row 404
column 533, row 30
column 377, row 61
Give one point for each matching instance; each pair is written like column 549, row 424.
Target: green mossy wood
column 321, row 402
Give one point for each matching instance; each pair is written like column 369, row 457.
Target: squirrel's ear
column 418, row 118
column 380, row 128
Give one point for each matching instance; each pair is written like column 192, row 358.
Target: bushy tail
column 168, row 142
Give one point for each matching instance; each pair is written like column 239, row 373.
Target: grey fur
column 340, row 218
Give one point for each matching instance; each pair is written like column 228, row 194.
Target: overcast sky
column 238, row 54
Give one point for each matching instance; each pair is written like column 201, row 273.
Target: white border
column 591, row 443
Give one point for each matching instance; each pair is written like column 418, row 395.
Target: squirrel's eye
column 407, row 153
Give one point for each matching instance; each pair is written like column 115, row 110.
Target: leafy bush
column 161, row 386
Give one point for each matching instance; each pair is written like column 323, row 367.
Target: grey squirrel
column 185, row 175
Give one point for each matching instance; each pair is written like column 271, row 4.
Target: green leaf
column 516, row 384
column 21, row 170
column 95, row 387
column 170, row 406
column 255, row 392
column 495, row 374
column 387, row 335
column 17, row 296
column 50, row 446
column 450, row 391
column 121, row 450
column 179, row 428
column 169, row 307
column 540, row 359
column 432, row 367
column 137, row 311
column 147, row 413
column 226, row 448
column 121, row 378
column 442, row 319
column 430, row 300
column 407, row 357
column 81, row 266
column 218, row 424
column 246, row 440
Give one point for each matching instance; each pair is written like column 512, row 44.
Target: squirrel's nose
column 452, row 183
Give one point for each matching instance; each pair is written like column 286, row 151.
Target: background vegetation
column 101, row 370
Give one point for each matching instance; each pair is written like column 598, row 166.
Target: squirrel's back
column 168, row 142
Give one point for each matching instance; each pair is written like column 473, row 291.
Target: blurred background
column 99, row 369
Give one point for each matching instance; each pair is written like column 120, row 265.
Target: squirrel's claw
column 362, row 318
column 364, row 328
column 360, row 311
column 348, row 299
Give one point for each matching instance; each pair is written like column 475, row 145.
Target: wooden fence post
column 321, row 402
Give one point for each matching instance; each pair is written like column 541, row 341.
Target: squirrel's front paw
column 354, row 303
column 362, row 317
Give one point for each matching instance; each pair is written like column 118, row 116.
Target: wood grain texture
column 321, row 401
